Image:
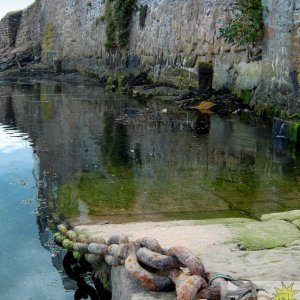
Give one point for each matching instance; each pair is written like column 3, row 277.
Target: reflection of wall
column 146, row 161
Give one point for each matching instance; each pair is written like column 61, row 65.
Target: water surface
column 76, row 153
column 108, row 157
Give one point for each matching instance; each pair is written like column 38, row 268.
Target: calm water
column 74, row 152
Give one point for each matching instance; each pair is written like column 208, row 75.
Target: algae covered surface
column 265, row 235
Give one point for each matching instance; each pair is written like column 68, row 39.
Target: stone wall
column 280, row 66
column 177, row 36
column 9, row 27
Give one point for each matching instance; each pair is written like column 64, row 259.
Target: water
column 74, row 152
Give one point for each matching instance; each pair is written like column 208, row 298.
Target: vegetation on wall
column 47, row 42
column 117, row 17
column 246, row 24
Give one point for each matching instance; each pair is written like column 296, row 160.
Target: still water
column 75, row 152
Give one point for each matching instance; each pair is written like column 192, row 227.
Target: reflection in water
column 98, row 160
column 88, row 156
column 77, row 271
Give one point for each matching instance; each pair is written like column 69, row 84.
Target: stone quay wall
column 177, row 36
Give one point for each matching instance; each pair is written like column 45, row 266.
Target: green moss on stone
column 246, row 96
column 265, row 235
column 286, row 216
column 117, row 18
column 48, row 35
column 223, row 221
column 68, row 245
column 297, row 222
column 62, row 228
column 59, row 238
column 294, row 131
column 77, row 255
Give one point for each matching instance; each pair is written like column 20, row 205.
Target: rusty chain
column 156, row 268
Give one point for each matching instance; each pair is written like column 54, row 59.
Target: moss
column 89, row 73
column 246, row 96
column 68, row 245
column 294, row 132
column 181, row 78
column 246, row 23
column 297, row 223
column 111, row 84
column 293, row 116
column 62, row 228
column 59, row 238
column 117, row 17
column 286, row 216
column 265, row 235
column 224, row 221
column 48, row 38
column 77, row 255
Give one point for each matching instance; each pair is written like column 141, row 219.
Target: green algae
column 68, row 245
column 297, row 223
column 265, row 235
column 246, row 96
column 224, row 221
column 286, row 216
column 294, row 132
